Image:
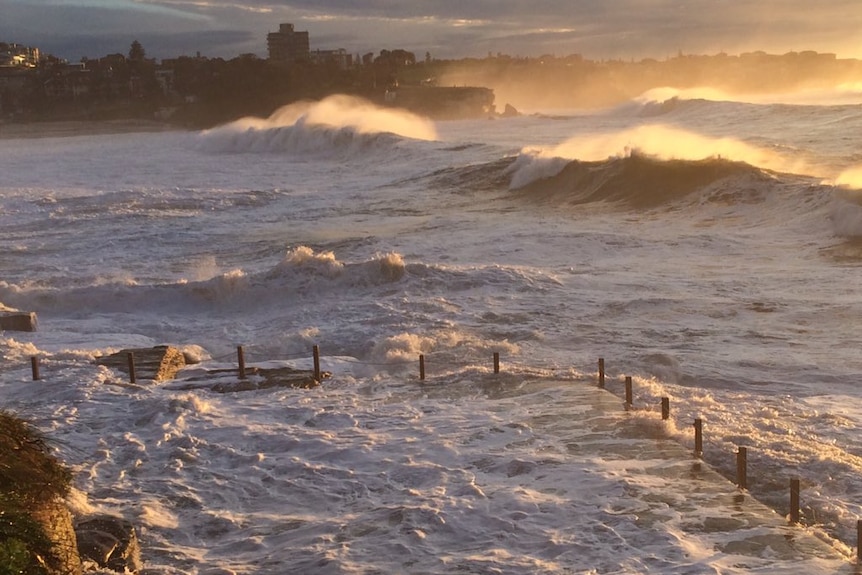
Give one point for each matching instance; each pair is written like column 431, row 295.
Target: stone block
column 158, row 363
column 18, row 321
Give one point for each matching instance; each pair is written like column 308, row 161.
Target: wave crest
column 657, row 141
column 304, row 262
column 301, row 271
column 640, row 181
column 850, row 178
column 336, row 123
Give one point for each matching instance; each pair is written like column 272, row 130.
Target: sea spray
column 337, row 124
column 722, row 297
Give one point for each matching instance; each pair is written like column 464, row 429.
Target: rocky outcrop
column 109, row 542
column 36, row 532
column 510, row 111
column 158, row 363
column 56, row 522
column 162, row 363
column 13, row 320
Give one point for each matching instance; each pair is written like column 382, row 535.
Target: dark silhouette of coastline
column 199, row 92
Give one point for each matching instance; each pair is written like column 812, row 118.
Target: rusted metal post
column 422, row 367
column 131, row 358
column 34, row 367
column 602, row 372
column 240, row 358
column 665, row 408
column 316, row 351
column 742, row 468
column 496, row 362
column 794, row 501
column 629, row 390
column 698, row 437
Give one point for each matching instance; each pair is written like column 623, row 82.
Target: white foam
column 389, row 248
column 336, row 122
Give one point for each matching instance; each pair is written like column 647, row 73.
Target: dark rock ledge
column 37, row 531
column 109, row 542
column 15, row 320
column 163, row 363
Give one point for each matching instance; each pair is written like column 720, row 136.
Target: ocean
column 707, row 246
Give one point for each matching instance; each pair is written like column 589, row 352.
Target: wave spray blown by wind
column 314, row 126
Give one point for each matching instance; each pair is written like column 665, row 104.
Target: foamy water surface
column 708, row 248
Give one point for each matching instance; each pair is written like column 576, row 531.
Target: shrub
column 29, row 476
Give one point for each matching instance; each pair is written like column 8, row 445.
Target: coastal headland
column 120, row 93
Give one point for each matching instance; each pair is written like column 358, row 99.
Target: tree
column 136, row 52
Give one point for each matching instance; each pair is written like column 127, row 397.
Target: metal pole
column 628, row 390
column 131, row 358
column 496, row 362
column 698, row 437
column 422, row 367
column 602, row 372
column 240, row 357
column 34, row 366
column 316, row 352
column 665, row 408
column 741, row 468
column 794, row 501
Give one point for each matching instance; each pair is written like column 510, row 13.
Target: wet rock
column 259, row 378
column 110, row 542
column 18, row 321
column 158, row 363
column 228, row 380
column 56, row 521
column 510, row 111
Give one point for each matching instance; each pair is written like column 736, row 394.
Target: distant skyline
column 597, row 29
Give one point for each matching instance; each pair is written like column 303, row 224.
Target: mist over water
column 708, row 247
column 851, row 178
column 333, row 124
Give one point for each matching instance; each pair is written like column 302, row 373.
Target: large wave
column 658, row 141
column 644, row 166
column 844, row 94
column 335, row 124
column 302, row 272
column 644, row 182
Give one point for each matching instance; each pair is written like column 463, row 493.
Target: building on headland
column 287, row 45
column 18, row 56
column 338, row 58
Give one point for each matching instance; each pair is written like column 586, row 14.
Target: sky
column 445, row 29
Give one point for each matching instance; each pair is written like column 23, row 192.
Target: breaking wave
column 300, row 273
column 658, row 141
column 337, row 124
column 645, row 182
column 668, row 98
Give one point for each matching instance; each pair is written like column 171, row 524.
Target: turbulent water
column 709, row 248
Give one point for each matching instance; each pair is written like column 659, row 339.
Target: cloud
column 446, row 28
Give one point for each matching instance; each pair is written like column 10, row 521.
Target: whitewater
column 707, row 246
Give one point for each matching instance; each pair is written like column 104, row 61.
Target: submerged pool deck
column 671, row 484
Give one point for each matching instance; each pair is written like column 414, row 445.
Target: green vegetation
column 29, row 476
